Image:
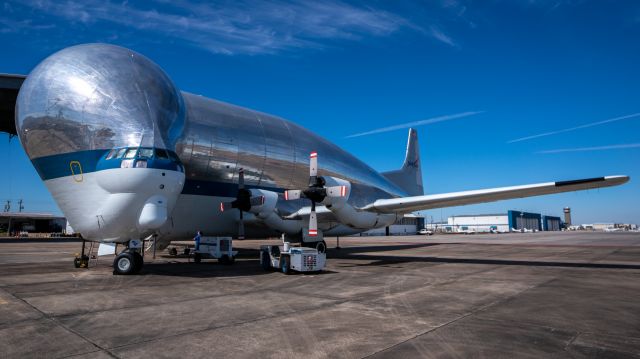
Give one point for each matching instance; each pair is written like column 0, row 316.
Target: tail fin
column 409, row 177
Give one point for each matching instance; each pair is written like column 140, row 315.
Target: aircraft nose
column 83, row 104
column 97, row 96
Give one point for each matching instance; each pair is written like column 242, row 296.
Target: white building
column 478, row 223
column 501, row 222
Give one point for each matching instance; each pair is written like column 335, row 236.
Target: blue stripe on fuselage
column 219, row 189
column 56, row 166
column 62, row 165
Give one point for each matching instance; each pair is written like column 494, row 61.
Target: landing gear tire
column 138, row 261
column 321, row 246
column 285, row 266
column 124, row 264
column 226, row 260
column 265, row 261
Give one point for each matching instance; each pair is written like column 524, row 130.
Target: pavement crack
column 477, row 310
column 64, row 327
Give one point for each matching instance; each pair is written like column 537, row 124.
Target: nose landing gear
column 82, row 260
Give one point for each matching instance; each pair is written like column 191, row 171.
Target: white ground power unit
column 220, row 248
column 288, row 259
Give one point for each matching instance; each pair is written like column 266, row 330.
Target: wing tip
column 606, row 181
column 618, row 179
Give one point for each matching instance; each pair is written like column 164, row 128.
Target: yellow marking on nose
column 2, row 301
column 75, row 165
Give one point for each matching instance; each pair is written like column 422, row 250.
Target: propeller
column 243, row 202
column 316, row 192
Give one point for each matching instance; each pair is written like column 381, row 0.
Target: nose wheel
column 128, row 262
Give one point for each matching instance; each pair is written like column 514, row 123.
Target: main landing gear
column 320, row 246
column 129, row 261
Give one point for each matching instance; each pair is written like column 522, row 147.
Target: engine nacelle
column 350, row 216
column 267, row 213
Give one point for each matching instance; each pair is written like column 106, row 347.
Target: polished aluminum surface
column 220, row 138
column 97, row 96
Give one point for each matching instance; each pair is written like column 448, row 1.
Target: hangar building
column 512, row 220
column 20, row 223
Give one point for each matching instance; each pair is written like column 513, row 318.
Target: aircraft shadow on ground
column 245, row 268
column 356, row 253
column 381, row 260
column 247, row 264
column 339, row 253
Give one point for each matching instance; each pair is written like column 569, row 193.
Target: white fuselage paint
column 107, row 205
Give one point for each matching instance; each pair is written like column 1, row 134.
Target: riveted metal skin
column 220, row 138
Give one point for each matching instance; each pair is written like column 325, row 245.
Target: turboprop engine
column 333, row 193
column 100, row 125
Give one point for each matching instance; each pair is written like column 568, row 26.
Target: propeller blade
column 313, row 221
column 241, row 178
column 336, row 191
column 225, row 206
column 256, row 201
column 292, row 194
column 241, row 226
column 313, row 164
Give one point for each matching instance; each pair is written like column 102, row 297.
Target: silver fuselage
column 85, row 101
column 220, row 138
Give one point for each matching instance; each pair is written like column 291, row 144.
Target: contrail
column 600, row 148
column 576, row 128
column 417, row 123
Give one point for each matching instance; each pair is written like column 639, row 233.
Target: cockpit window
column 131, row 153
column 121, row 152
column 111, row 154
column 145, row 152
column 160, row 153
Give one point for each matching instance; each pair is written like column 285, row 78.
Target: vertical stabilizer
column 409, row 177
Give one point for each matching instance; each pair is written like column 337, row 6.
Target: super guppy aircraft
column 127, row 155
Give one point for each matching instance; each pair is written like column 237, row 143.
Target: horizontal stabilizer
column 9, row 87
column 417, row 203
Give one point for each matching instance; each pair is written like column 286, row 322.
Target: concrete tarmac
column 524, row 295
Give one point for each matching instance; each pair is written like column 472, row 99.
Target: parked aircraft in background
column 126, row 155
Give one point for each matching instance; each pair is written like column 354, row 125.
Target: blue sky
column 495, row 71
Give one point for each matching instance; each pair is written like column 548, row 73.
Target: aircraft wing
column 417, row 203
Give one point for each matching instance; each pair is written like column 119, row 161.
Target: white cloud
column 615, row 119
column 417, row 123
column 441, row 36
column 599, row 148
column 240, row 27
